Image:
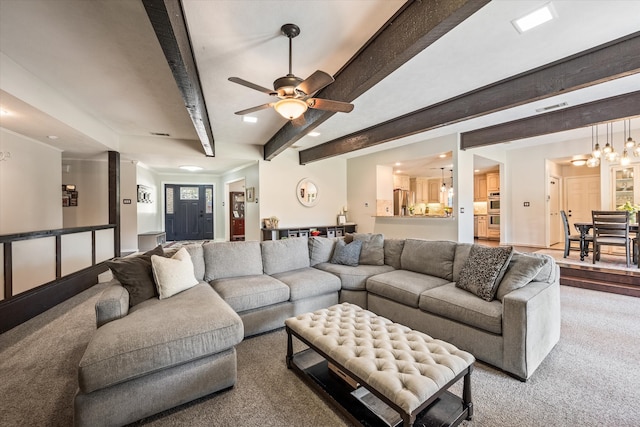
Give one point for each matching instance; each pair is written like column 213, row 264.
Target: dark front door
column 188, row 212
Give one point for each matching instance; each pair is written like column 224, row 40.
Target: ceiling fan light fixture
column 291, row 108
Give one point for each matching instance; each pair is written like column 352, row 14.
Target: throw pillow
column 134, row 273
column 484, row 269
column 522, row 269
column 372, row 252
column 347, row 253
column 320, row 249
column 173, row 275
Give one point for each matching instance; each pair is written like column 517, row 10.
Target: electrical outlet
column 366, row 204
column 526, row 204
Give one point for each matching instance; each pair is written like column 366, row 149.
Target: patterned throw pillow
column 484, row 269
column 347, row 254
column 135, row 274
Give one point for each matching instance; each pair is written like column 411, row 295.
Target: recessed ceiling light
column 4, row 112
column 398, row 171
column 191, row 168
column 442, row 156
column 314, row 133
column 579, row 162
column 249, row 119
column 538, row 17
column 398, row 164
column 54, row 137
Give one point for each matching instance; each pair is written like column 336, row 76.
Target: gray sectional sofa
column 179, row 348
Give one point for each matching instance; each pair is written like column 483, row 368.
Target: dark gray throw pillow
column 347, row 254
column 484, row 269
column 136, row 275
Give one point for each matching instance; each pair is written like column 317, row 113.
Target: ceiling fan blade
column 252, row 109
column 328, row 105
column 315, row 82
column 253, row 86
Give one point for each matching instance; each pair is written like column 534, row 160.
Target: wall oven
column 494, row 221
column 493, row 203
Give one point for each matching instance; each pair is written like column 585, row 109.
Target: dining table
column 584, row 227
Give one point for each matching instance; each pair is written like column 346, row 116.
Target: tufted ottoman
column 406, row 369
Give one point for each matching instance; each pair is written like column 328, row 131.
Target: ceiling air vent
column 159, row 134
column 551, row 107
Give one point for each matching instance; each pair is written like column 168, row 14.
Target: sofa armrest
column 113, row 304
column 530, row 325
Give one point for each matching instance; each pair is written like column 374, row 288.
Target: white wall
column 91, row 178
column 149, row 214
column 30, row 185
column 277, row 193
column 128, row 212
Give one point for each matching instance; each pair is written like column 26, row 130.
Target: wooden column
column 114, row 199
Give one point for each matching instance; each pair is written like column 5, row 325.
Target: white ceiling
column 102, row 57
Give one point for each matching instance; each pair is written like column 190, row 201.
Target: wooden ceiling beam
column 603, row 63
column 591, row 113
column 413, row 28
column 167, row 19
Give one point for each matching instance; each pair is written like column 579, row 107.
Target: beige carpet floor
column 590, row 378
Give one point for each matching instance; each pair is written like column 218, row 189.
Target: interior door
column 582, row 196
column 188, row 212
column 236, row 207
column 555, row 220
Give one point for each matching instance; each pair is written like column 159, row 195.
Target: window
column 189, row 193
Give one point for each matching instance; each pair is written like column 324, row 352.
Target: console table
column 151, row 239
column 325, row 231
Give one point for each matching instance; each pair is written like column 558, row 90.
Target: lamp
column 443, row 188
column 579, row 162
column 291, row 108
column 624, row 160
column 610, row 153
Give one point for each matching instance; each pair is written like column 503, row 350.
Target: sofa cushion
column 484, row 270
column 159, row 334
column 173, row 275
column 372, row 252
column 284, row 255
column 308, row 282
column 393, row 252
column 548, row 271
column 403, row 286
column 522, row 269
column 249, row 292
column 456, row 304
column 431, row 257
column 232, row 259
column 462, row 254
column 135, row 274
column 353, row 278
column 320, row 249
column 197, row 257
column 347, row 253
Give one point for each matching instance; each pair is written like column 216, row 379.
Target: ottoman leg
column 466, row 393
column 289, row 358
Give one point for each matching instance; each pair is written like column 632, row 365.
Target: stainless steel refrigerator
column 400, row 202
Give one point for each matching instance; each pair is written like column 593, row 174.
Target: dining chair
column 568, row 237
column 610, row 228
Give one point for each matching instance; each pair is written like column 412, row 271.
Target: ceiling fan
column 295, row 94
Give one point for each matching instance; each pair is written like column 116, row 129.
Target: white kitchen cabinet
column 493, row 182
column 480, row 188
column 401, row 182
column 482, row 227
column 434, row 190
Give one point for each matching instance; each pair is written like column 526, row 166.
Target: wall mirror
column 307, row 192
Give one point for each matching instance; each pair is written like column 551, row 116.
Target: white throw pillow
column 173, row 275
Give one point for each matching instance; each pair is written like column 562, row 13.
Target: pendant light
column 611, row 155
column 596, row 153
column 444, row 186
column 593, row 161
